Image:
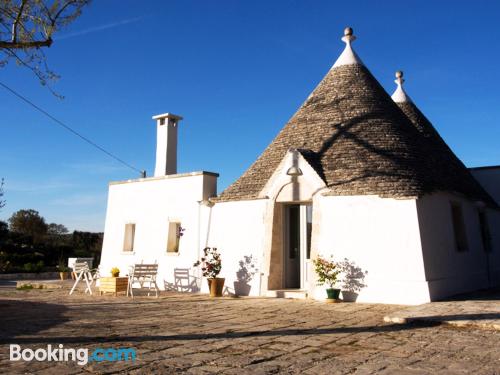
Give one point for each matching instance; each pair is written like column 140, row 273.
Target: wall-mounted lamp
column 294, row 171
column 207, row 203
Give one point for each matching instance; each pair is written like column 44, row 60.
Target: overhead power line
column 69, row 128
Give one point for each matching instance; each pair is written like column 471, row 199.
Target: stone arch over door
column 283, row 189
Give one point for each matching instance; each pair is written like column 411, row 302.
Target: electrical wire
column 68, row 128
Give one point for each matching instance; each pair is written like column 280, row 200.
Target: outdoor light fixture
column 207, row 203
column 294, row 171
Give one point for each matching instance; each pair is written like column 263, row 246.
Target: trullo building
column 354, row 173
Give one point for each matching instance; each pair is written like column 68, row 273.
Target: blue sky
column 236, row 71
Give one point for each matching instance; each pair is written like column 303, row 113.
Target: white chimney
column 166, row 143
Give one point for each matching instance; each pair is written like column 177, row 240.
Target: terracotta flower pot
column 63, row 275
column 115, row 274
column 216, row 286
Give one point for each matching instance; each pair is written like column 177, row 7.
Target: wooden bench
column 143, row 274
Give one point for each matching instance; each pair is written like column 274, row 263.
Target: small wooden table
column 113, row 285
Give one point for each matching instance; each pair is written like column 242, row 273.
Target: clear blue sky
column 236, row 71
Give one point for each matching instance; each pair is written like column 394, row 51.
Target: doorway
column 297, row 245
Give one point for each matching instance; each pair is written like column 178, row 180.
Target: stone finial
column 399, row 77
column 399, row 95
column 348, row 35
column 348, row 56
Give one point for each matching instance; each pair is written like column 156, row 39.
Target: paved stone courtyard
column 197, row 335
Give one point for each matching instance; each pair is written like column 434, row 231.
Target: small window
column 162, row 121
column 457, row 217
column 485, row 231
column 128, row 243
column 174, row 235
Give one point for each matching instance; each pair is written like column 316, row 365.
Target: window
column 162, row 121
column 173, row 237
column 485, row 230
column 457, row 217
column 128, row 242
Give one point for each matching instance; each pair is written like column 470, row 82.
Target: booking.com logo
column 61, row 354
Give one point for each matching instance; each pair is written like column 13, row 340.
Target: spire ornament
column 348, row 35
column 399, row 95
column 348, row 57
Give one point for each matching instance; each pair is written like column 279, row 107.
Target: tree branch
column 16, row 21
column 23, row 45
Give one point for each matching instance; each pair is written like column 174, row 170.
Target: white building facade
column 354, row 174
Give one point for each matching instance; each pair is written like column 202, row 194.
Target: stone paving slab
column 193, row 334
column 476, row 310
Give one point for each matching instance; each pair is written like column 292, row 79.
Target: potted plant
column 63, row 269
column 327, row 272
column 115, row 272
column 211, row 265
column 353, row 280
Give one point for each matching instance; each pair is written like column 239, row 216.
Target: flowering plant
column 115, row 272
column 326, row 270
column 180, row 231
column 211, row 263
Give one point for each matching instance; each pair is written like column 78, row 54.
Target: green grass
column 28, row 287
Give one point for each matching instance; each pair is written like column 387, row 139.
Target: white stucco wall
column 489, row 178
column 151, row 203
column 447, row 270
column 237, row 230
column 381, row 236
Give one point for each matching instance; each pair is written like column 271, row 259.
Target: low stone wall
column 29, row 276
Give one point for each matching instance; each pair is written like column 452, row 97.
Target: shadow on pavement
column 19, row 317
column 225, row 335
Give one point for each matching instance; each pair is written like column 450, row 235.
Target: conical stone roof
column 356, row 137
column 453, row 175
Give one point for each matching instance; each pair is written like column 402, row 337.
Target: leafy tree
column 87, row 244
column 4, row 231
column 56, row 229
column 28, row 26
column 28, row 223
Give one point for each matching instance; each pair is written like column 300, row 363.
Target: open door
column 297, row 245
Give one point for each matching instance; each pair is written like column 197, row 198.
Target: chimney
column 166, row 143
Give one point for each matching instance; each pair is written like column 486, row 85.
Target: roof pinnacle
column 348, row 35
column 399, row 77
column 399, row 95
column 348, row 57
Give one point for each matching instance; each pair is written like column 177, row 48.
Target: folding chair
column 82, row 270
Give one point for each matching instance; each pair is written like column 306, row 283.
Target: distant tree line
column 29, row 244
